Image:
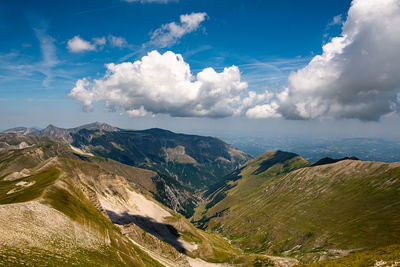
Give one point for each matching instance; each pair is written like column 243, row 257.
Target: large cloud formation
column 356, row 76
column 358, row 73
column 163, row 84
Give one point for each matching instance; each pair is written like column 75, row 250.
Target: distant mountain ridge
column 22, row 130
column 61, row 133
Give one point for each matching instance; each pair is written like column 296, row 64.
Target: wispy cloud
column 48, row 52
column 262, row 73
column 336, row 20
column 169, row 34
column 15, row 66
column 117, row 41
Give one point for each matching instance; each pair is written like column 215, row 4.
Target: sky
column 262, row 68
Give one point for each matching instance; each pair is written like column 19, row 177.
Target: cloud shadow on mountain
column 162, row 231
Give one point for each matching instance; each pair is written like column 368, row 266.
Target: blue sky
column 265, row 40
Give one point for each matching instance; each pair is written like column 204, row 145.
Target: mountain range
column 186, row 164
column 97, row 195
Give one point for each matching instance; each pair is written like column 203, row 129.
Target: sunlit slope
column 293, row 210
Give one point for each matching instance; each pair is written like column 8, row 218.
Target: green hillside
column 277, row 204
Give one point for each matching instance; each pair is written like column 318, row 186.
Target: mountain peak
column 98, row 125
column 51, row 126
column 269, row 159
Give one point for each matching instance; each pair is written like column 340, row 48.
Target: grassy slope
column 243, row 183
column 386, row 256
column 346, row 205
column 10, row 192
column 71, row 202
column 63, row 193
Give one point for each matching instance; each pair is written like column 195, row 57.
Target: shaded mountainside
column 278, row 204
column 193, row 160
column 102, row 213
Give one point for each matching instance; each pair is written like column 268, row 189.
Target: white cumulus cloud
column 264, row 111
column 358, row 73
column 77, row 45
column 164, row 84
column 169, row 34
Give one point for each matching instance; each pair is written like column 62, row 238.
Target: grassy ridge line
column 68, row 199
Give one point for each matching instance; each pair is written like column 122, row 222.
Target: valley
column 100, row 195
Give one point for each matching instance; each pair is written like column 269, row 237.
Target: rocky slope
column 278, row 204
